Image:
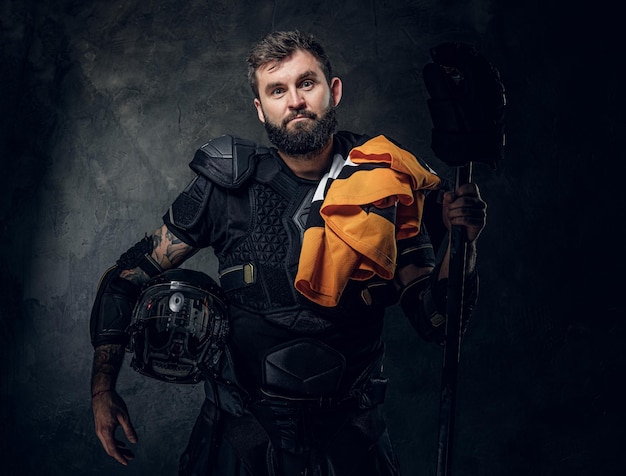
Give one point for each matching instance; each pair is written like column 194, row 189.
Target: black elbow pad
column 422, row 303
column 112, row 310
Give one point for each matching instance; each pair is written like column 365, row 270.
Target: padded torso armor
column 313, row 373
column 252, row 210
column 255, row 225
column 258, row 271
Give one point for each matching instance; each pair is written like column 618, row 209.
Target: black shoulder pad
column 189, row 206
column 227, row 161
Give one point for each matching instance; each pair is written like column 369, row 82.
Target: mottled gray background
column 102, row 106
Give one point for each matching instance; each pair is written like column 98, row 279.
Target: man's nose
column 295, row 99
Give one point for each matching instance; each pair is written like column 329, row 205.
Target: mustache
column 300, row 113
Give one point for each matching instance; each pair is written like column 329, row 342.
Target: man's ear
column 259, row 110
column 336, row 90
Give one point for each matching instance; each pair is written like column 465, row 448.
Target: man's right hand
column 109, row 412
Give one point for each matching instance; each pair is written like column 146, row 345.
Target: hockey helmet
column 179, row 326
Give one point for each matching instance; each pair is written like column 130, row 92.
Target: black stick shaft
column 454, row 324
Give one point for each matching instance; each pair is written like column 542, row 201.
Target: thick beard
column 305, row 140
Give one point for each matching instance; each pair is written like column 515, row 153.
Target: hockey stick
column 467, row 109
column 454, row 324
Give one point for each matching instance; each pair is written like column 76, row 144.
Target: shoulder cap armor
column 227, row 161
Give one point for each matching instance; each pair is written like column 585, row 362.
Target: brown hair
column 277, row 46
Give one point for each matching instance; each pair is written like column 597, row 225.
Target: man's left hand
column 466, row 208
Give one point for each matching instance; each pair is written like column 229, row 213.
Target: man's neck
column 311, row 166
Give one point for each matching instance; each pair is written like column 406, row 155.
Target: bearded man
column 315, row 237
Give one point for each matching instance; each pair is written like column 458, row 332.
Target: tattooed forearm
column 108, row 358
column 135, row 275
column 169, row 251
column 107, row 361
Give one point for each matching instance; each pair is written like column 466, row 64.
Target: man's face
column 296, row 104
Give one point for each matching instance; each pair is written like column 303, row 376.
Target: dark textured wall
column 103, row 104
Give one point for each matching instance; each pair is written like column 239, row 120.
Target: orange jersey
column 375, row 199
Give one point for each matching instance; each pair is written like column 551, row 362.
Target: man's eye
column 277, row 91
column 307, row 84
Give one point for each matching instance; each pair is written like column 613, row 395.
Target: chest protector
column 271, row 206
column 257, row 211
column 259, row 271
